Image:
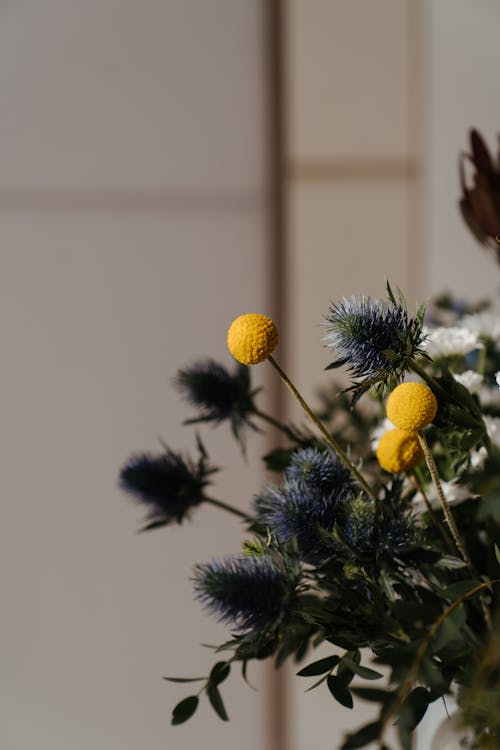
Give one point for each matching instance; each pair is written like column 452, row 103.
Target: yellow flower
column 399, row 450
column 252, row 338
column 411, row 406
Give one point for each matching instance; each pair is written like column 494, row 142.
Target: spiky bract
column 169, row 485
column 300, row 511
column 250, row 593
column 218, row 393
column 377, row 340
column 318, row 468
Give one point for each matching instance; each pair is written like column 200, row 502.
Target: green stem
column 227, row 507
column 448, row 515
column 329, row 439
column 416, row 481
column 481, row 360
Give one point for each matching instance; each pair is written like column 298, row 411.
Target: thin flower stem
column 329, row 439
column 481, row 360
column 419, row 656
column 431, row 464
column 432, row 513
column 448, row 515
column 227, row 507
column 277, row 424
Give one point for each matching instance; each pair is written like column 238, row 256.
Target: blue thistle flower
column 219, row 394
column 251, row 593
column 377, row 340
column 300, row 511
column 318, row 468
column 396, row 535
column 167, row 484
column 357, row 525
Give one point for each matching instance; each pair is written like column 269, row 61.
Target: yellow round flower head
column 252, row 338
column 411, row 406
column 399, row 450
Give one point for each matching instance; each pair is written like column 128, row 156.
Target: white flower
column 483, row 324
column 493, row 429
column 378, row 431
column 489, row 396
column 470, row 379
column 454, row 493
column 444, row 342
column 477, row 458
column 497, row 378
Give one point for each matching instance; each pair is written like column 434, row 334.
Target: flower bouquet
column 379, row 529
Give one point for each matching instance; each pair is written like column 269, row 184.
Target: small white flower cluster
column 446, row 342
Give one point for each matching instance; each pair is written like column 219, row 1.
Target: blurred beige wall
column 133, row 227
column 460, row 77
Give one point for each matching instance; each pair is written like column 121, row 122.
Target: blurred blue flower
column 251, row 593
column 301, row 511
column 219, row 394
column 318, row 468
column 169, row 485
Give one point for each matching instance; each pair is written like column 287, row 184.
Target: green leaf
column 449, row 562
column 215, row 699
column 413, row 708
column 340, row 691
column 340, row 642
column 450, row 632
column 458, row 589
column 219, row 672
column 317, row 683
column 278, row 459
column 184, row 679
column 319, row 667
column 364, row 736
column 185, row 709
column 365, row 672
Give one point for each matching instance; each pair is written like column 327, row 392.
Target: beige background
column 133, row 228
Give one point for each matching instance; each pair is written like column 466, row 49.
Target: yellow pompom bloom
column 252, row 338
column 411, row 406
column 399, row 450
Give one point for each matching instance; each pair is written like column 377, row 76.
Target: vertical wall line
column 416, row 117
column 276, row 707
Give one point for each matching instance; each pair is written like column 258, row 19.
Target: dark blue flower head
column 396, row 535
column 377, row 340
column 169, row 485
column 300, row 511
column 218, row 393
column 318, row 468
column 356, row 525
column 250, row 593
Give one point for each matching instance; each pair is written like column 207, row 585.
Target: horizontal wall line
column 350, row 169
column 123, row 200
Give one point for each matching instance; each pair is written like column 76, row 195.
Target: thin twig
column 329, row 439
column 433, row 514
column 227, row 507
